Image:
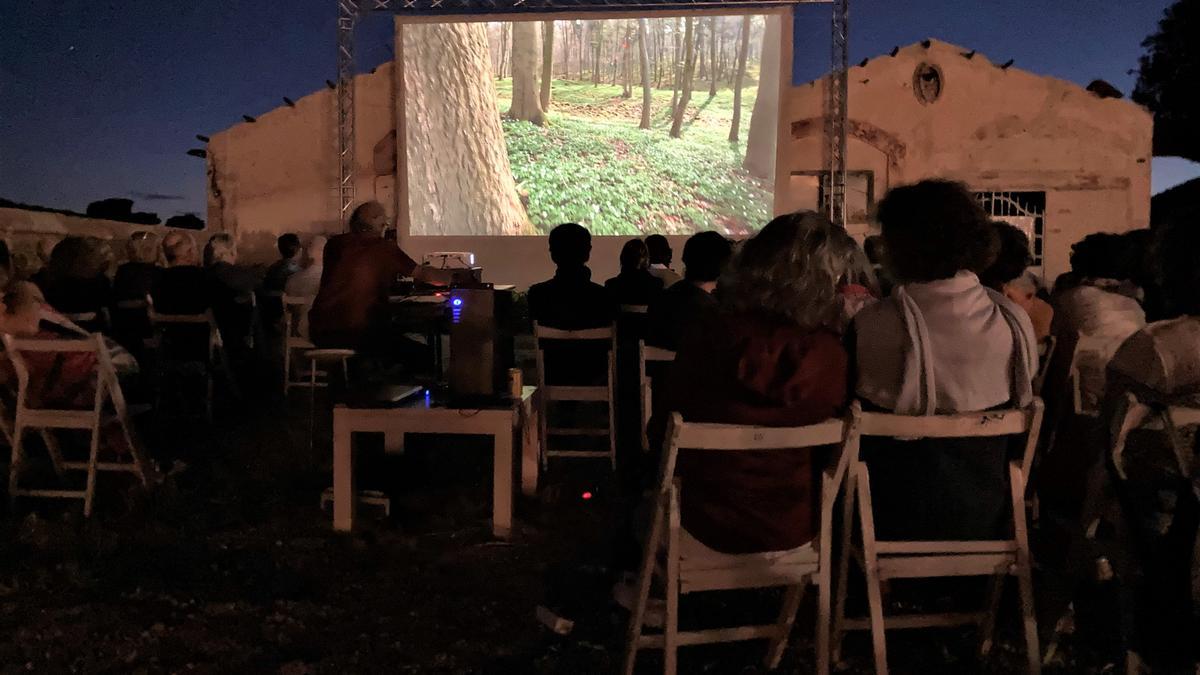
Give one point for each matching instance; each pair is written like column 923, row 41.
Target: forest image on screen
column 627, row 126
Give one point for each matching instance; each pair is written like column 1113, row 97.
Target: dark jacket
column 135, row 280
column 353, row 300
column 673, row 313
column 634, row 287
column 571, row 301
column 73, row 295
column 749, row 369
column 181, row 290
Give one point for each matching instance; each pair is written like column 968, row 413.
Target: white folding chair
column 600, row 393
column 30, row 416
column 649, row 354
column 686, row 566
column 884, row 560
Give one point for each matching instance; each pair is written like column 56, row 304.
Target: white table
column 421, row 416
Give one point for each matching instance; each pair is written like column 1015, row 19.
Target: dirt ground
column 231, row 567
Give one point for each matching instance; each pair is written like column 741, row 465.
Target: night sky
column 102, row 99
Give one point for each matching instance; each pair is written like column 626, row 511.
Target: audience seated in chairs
column 1101, row 306
column 769, row 355
column 306, row 282
column 941, row 343
column 659, row 250
column 182, row 286
column 74, row 280
column 1008, row 274
column 673, row 313
column 635, row 285
column 572, row 301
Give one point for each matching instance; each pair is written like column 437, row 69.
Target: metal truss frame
column 349, row 12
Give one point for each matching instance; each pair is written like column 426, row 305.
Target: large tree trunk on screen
column 547, row 63
column 526, row 102
column 644, row 59
column 764, row 121
column 712, row 61
column 689, row 70
column 459, row 179
column 738, row 78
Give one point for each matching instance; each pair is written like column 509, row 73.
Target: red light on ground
column 586, row 495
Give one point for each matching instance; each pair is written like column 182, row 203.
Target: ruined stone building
column 1048, row 155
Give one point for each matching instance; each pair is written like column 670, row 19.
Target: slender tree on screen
column 760, row 141
column 644, row 58
column 627, row 61
column 597, row 30
column 526, row 102
column 676, row 65
column 689, row 70
column 503, row 72
column 738, row 78
column 712, row 61
column 458, row 170
column 1169, row 81
column 701, row 27
column 547, row 63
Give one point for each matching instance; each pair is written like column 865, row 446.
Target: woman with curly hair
column 769, row 356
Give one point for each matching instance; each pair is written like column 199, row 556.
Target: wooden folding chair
column 1045, row 353
column 1133, row 414
column 187, row 344
column 601, row 393
column 295, row 338
column 648, row 354
column 687, row 566
column 1083, row 344
column 884, row 560
column 47, row 420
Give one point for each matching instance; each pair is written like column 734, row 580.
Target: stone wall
column 22, row 229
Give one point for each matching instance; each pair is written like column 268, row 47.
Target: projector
column 449, row 259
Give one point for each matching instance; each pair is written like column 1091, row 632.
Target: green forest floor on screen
column 592, row 165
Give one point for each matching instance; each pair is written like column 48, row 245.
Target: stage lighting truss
column 349, row 12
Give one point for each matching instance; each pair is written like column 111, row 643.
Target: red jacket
column 353, row 299
column 743, row 369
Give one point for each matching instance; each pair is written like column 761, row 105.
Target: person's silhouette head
column 570, row 245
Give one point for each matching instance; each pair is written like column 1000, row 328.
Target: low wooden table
column 422, row 415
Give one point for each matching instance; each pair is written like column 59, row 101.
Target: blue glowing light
column 457, row 302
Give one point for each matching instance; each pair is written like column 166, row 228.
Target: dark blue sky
column 102, row 99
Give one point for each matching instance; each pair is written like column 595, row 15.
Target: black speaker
column 481, row 342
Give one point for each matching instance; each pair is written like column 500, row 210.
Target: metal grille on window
column 1024, row 210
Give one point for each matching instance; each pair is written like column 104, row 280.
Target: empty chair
column 587, row 382
column 32, row 359
column 685, row 565
column 995, row 557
